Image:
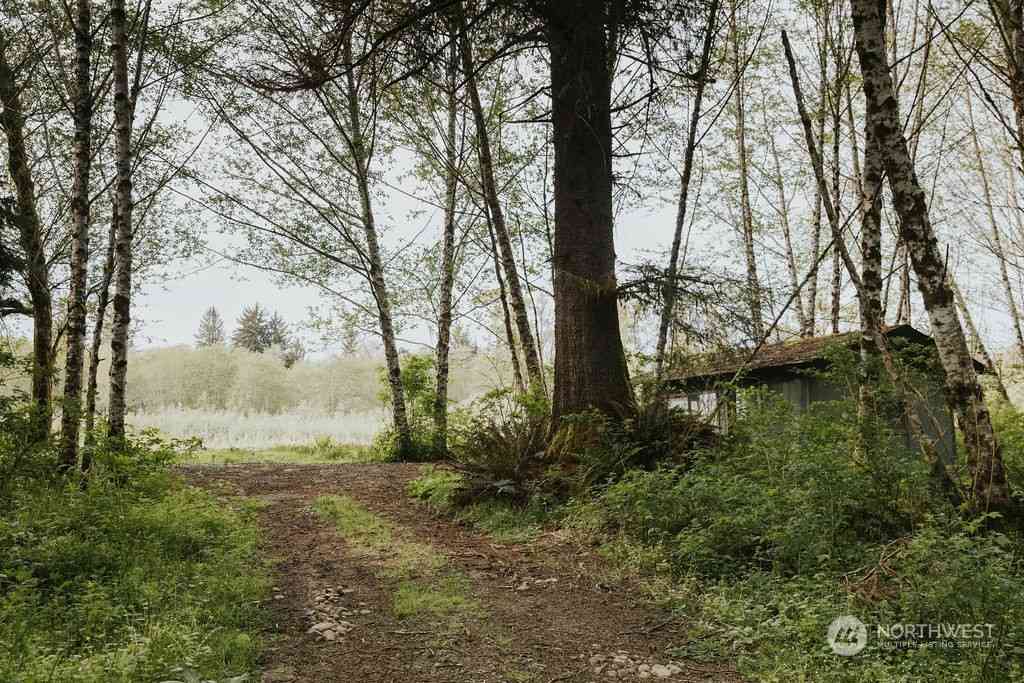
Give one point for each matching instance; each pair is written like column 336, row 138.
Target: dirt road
column 540, row 612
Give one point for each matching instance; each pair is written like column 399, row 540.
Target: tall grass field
column 222, row 429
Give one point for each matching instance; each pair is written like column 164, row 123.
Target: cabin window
column 700, row 404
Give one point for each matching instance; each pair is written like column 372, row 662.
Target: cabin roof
column 797, row 353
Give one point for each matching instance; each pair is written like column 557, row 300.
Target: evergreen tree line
column 257, row 330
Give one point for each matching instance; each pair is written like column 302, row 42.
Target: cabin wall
column 937, row 424
column 796, row 391
column 801, row 391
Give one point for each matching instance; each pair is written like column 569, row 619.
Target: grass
column 321, row 451
column 359, row 526
column 425, row 583
column 443, row 596
column 153, row 581
column 504, row 522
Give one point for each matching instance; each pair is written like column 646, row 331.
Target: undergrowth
column 129, row 575
column 760, row 539
column 793, row 521
column 504, row 520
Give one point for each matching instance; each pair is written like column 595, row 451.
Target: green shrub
column 499, row 443
column 1009, row 425
column 594, row 449
column 436, row 486
column 505, row 520
column 944, row 573
column 784, row 492
column 22, row 458
column 419, row 388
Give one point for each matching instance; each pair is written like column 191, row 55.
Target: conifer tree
column 252, row 332
column 211, row 329
column 277, row 331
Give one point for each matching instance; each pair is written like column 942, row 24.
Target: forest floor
column 371, row 586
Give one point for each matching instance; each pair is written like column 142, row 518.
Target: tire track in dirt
column 545, row 616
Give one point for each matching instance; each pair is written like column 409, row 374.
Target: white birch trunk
column 964, row 393
column 82, row 158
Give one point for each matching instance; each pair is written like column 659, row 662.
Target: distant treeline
column 228, row 378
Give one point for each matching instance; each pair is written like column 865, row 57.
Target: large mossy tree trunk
column 964, row 393
column 590, row 363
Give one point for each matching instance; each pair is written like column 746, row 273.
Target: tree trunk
column 870, row 294
column 837, row 197
column 506, row 314
column 1013, row 201
column 812, row 285
column 123, row 222
column 31, row 240
column 746, row 214
column 103, row 301
column 672, row 271
column 490, row 191
column 82, row 153
column 444, row 320
column 904, row 313
column 590, row 363
column 964, row 393
column 1009, row 16
column 871, row 236
column 378, row 284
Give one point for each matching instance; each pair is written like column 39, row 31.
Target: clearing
column 372, row 586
